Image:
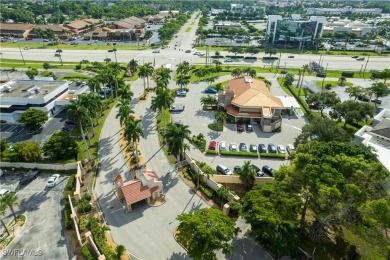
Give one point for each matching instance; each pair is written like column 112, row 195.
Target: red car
column 212, row 145
column 240, row 128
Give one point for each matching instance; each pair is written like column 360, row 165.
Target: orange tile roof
column 252, row 94
column 79, row 24
column 134, row 191
column 232, row 110
column 14, row 26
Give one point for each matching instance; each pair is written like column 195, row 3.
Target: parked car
column 243, row 147
column 29, row 176
column 271, row 148
column 181, row 93
column 176, row 108
column 197, row 53
column 222, row 146
column 223, row 169
column 212, row 145
column 253, row 148
column 268, row 170
column 259, row 172
column 262, row 148
column 377, row 101
column 229, row 60
column 249, row 128
column 240, row 128
column 281, row 149
column 52, row 181
column 290, row 148
column 156, row 51
column 233, row 147
column 4, row 191
column 236, row 168
column 188, row 51
column 210, row 90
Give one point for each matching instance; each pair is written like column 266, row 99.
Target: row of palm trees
column 8, row 200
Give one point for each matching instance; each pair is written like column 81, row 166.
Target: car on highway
column 233, row 147
column 290, row 148
column 243, row 147
column 240, row 128
column 281, row 149
column 259, row 172
column 176, row 108
column 188, row 51
column 223, row 169
column 222, row 146
column 355, row 57
column 26, row 48
column 156, row 51
column 57, row 55
column 262, row 148
column 360, row 59
column 210, row 90
column 181, row 93
column 291, row 57
column 272, row 148
column 29, row 176
column 52, row 181
column 229, row 60
column 212, row 145
column 197, row 53
column 268, row 170
column 253, row 148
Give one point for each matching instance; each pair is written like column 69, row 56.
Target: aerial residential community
column 195, row 129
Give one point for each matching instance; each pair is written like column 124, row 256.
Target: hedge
column 208, row 170
column 214, row 152
column 206, row 190
column 250, row 58
column 234, row 57
column 86, row 253
column 348, row 74
column 101, row 240
column 71, row 181
column 217, row 57
column 270, row 58
column 238, row 153
column 68, row 220
column 273, row 155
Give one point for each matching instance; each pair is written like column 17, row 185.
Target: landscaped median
column 238, row 153
column 273, row 155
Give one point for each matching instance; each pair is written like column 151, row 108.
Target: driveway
column 44, row 229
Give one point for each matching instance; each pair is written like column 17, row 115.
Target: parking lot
column 198, row 119
column 43, row 208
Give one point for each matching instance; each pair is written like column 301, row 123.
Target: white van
column 223, row 169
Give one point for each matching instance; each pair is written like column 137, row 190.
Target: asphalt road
column 43, row 207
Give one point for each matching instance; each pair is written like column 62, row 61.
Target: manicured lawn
column 216, row 127
column 14, row 63
column 34, row 45
column 333, row 83
column 188, row 29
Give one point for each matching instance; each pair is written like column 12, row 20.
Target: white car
column 156, row 51
column 290, row 148
column 233, row 147
column 281, row 149
column 26, row 48
column 52, row 181
column 222, row 146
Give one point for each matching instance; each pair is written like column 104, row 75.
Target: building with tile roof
column 17, row 30
column 249, row 100
column 145, row 186
column 131, row 28
column 59, row 30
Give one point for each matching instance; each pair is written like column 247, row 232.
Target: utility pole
column 299, row 79
column 323, row 79
column 24, row 62
column 366, row 66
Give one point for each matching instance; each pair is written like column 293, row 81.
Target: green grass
column 83, row 154
column 33, row 45
column 334, row 83
column 21, row 218
column 73, row 76
column 193, row 22
column 13, row 63
column 160, row 125
column 216, row 127
column 188, row 29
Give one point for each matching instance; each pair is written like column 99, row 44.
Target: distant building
column 294, row 29
column 59, row 30
column 236, row 8
column 347, row 26
column 128, row 29
column 345, row 10
column 215, row 12
column 17, row 30
column 83, row 26
column 226, row 25
column 166, row 14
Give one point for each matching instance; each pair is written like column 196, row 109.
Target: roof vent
column 30, row 88
column 248, row 79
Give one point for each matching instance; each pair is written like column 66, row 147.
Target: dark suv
column 268, row 170
column 271, row 148
column 259, row 172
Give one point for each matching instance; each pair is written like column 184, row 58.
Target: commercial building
column 82, row 26
column 294, row 29
column 347, row 26
column 129, row 28
column 59, row 30
column 226, row 25
column 345, row 10
column 17, row 30
column 19, row 95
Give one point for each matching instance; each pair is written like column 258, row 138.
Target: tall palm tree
column 132, row 66
column 3, row 207
column 107, row 60
column 182, row 81
column 91, row 107
column 183, row 67
column 116, row 70
column 305, row 68
column 247, row 174
column 161, row 101
column 125, row 92
column 94, row 84
column 11, row 200
column 220, row 117
column 163, row 75
column 124, row 111
column 237, row 73
column 78, row 114
column 175, row 135
column 133, row 132
column 145, row 71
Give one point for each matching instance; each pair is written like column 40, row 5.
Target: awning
column 289, row 102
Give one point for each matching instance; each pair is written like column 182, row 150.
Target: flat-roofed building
column 19, row 95
column 227, row 25
column 345, row 10
column 17, row 30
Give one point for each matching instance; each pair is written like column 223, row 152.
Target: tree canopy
column 61, row 146
column 33, row 118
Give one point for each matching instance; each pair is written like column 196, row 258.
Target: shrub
column 283, row 72
column 234, row 57
column 66, row 193
column 216, row 127
column 321, row 75
column 83, row 223
column 250, row 58
column 234, row 206
column 270, row 58
column 68, row 220
column 83, row 205
column 214, row 152
column 348, row 74
column 273, row 155
column 208, row 170
column 217, row 57
column 71, row 182
column 87, row 196
column 238, row 153
column 78, row 67
column 86, row 253
column 206, row 190
column 100, row 239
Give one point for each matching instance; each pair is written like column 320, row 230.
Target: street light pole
column 24, row 62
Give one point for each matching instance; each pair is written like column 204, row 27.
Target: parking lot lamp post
column 59, row 51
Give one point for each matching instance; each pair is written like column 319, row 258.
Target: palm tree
column 163, row 75
column 107, row 60
column 91, row 107
column 183, row 67
column 182, row 81
column 145, row 71
column 133, row 132
column 223, row 193
column 208, row 101
column 125, row 92
column 115, row 69
column 175, row 135
column 220, row 117
column 78, row 114
column 124, row 111
column 3, row 207
column 236, row 73
column 132, row 66
column 342, row 80
column 10, row 200
column 94, row 84
column 247, row 174
column 305, row 68
column 120, row 250
column 162, row 101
